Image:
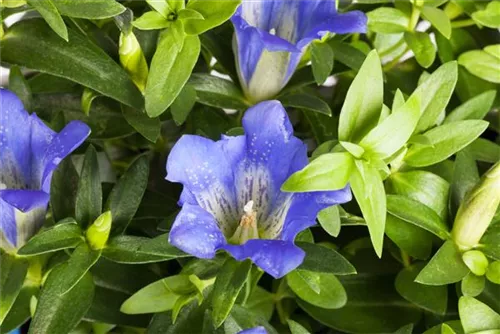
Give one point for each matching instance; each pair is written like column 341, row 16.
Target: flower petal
column 65, row 142
column 276, row 257
column 206, row 173
column 306, row 206
column 255, row 330
column 195, row 231
column 25, row 200
column 8, row 228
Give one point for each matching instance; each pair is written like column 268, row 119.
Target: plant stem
column 463, row 23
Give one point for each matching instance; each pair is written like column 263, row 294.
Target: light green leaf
column 150, row 21
column 89, row 9
column 476, row 316
column 356, row 150
column 445, row 267
column 11, row 280
column 481, row 64
column 321, row 61
column 475, row 108
column 399, row 100
column 331, row 293
column 423, row 48
column 161, row 6
column 214, row 13
column 473, row 285
column 493, row 50
column 49, row 12
column 387, row 20
column 445, row 140
column 296, row 328
column 485, row 150
column 329, row 219
column 329, row 171
column 368, row 188
column 490, row 16
column 438, row 18
column 171, row 68
column 363, row 103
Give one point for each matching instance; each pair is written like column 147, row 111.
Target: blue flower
column 29, row 153
column 232, row 200
column 271, row 36
column 255, row 330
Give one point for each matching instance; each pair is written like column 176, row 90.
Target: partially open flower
column 232, row 198
column 29, row 154
column 271, row 36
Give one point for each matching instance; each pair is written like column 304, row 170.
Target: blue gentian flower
column 255, row 330
column 29, row 153
column 271, row 36
column 232, row 200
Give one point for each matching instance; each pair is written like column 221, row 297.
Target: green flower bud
column 477, row 210
column 133, row 60
column 476, row 261
column 493, row 272
column 98, row 232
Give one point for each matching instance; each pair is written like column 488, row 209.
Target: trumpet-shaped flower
column 29, row 154
column 272, row 35
column 232, row 199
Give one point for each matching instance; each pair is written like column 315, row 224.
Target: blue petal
column 62, row 144
column 255, row 330
column 15, row 153
column 195, row 231
column 8, row 228
column 25, row 200
column 205, row 171
column 275, row 257
column 306, row 206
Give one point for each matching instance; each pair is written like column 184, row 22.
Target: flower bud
column 98, row 232
column 477, row 210
column 493, row 272
column 476, row 261
column 133, row 60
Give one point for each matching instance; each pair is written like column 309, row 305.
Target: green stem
column 463, row 23
column 415, row 15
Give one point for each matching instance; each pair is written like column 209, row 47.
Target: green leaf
column 435, row 93
column 11, row 280
column 331, row 294
column 445, row 267
column 66, row 234
column 422, row 186
column 306, row 102
column 356, row 150
column 171, row 67
column 481, row 64
column 423, row 48
column 59, row 311
column 476, row 316
column 416, row 242
column 230, row 280
column 78, row 60
column 329, row 171
column 89, row 9
column 131, row 249
column 89, row 195
column 329, row 219
column 80, row 262
column 19, row 86
column 182, row 105
column 296, row 328
column 418, row 214
column 147, row 127
column 368, row 189
column 214, row 13
column 490, row 16
column 438, row 18
column 485, row 150
column 321, row 61
column 361, row 109
column 189, row 14
column 324, row 260
column 63, row 190
column 475, row 108
column 161, row 6
column 493, row 50
column 450, row 327
column 150, row 21
column 389, row 136
column 217, row 92
column 88, row 96
column 51, row 15
column 126, row 196
column 465, row 177
column 473, row 285
column 430, row 298
column 387, row 20
column 445, row 140
column 347, row 54
column 20, row 310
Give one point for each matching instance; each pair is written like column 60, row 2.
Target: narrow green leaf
column 217, row 92
column 49, row 12
column 368, row 188
column 475, row 108
column 321, row 61
column 66, row 234
column 11, row 280
column 78, row 60
column 324, row 260
column 59, row 311
column 89, row 195
column 229, row 282
column 423, row 48
column 465, row 177
column 148, row 127
column 387, row 20
column 331, row 295
column 150, row 21
column 21, row 87
column 80, row 262
column 306, row 102
column 124, row 199
column 329, row 171
column 438, row 18
column 445, row 140
column 481, row 64
column 445, row 267
column 182, row 105
column 361, row 109
column 171, row 68
column 63, row 190
column 214, row 13
column 89, row 9
column 477, row 316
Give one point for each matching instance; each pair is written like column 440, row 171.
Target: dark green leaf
column 80, row 262
column 485, row 150
column 324, row 260
column 78, row 60
column 475, row 108
column 63, row 190
column 89, row 9
column 148, row 127
column 49, row 12
column 306, row 102
column 296, row 328
column 182, row 105
column 347, row 54
column 89, row 195
column 11, row 280
column 473, row 285
column 66, row 234
column 465, row 177
column 321, row 61
column 331, row 294
column 20, row 310
column 415, row 241
column 217, row 92
column 20, row 87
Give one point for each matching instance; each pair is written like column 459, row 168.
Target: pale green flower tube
column 133, row 60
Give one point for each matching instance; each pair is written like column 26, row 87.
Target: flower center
column 247, row 228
